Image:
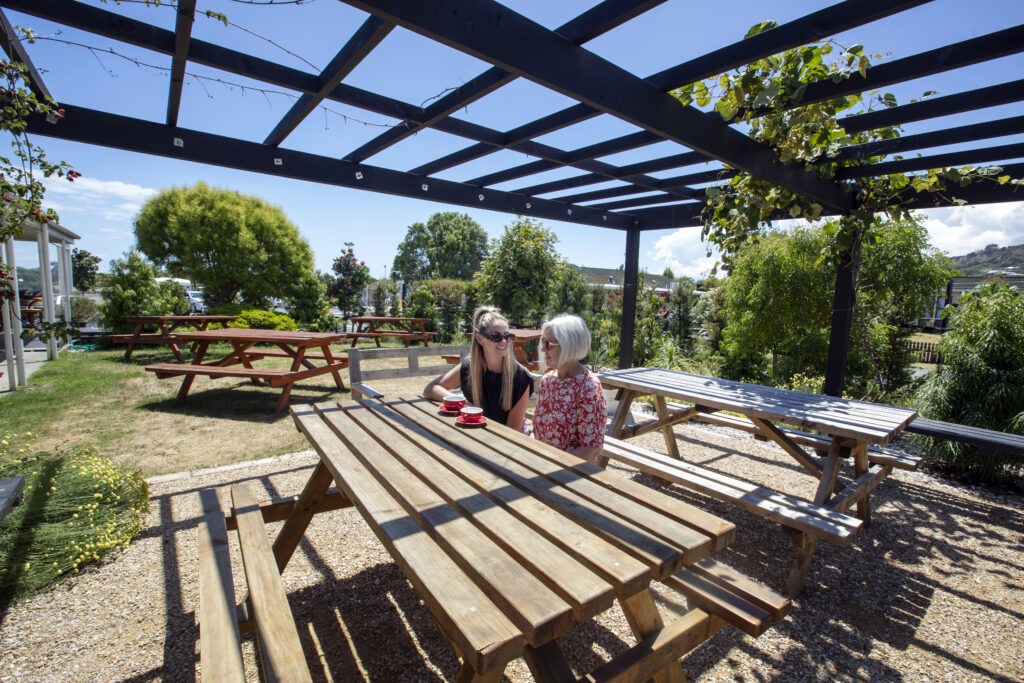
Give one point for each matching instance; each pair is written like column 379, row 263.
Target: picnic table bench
column 375, row 327
column 289, row 344
column 843, row 428
column 167, row 324
column 507, row 541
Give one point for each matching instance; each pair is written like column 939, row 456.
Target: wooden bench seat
column 146, row 338
column 280, row 650
column 272, row 376
column 256, row 354
column 10, row 493
column 817, row 520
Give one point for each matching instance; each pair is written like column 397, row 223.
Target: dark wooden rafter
column 983, row 155
column 589, row 25
column 948, row 136
column 625, row 172
column 817, row 25
column 121, row 132
column 366, row 37
column 16, row 51
column 480, row 28
column 185, row 13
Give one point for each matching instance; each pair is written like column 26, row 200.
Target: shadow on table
column 876, row 590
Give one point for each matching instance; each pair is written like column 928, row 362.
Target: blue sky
column 101, row 205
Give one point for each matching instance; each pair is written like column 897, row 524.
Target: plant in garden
column 649, row 329
column 236, row 245
column 569, row 292
column 470, row 302
column 981, row 383
column 263, row 320
column 681, row 303
column 448, row 299
column 450, row 246
column 307, row 304
column 78, row 507
column 515, row 275
column 132, row 290
column 81, row 310
column 421, row 305
column 84, row 268
column 352, row 277
column 381, row 294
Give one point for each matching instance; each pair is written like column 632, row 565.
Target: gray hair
column 572, row 335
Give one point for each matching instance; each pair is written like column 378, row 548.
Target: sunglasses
column 498, row 337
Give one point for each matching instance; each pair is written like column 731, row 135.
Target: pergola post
column 15, row 328
column 46, row 283
column 629, row 286
column 842, row 322
column 64, row 281
column 6, row 320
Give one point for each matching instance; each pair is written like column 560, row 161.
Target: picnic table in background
column 167, row 324
column 31, row 316
column 842, row 428
column 294, row 345
column 374, row 327
column 507, row 540
column 518, row 347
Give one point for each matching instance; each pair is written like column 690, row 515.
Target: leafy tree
column 84, row 268
column 450, row 246
column 132, row 290
column 681, row 304
column 668, row 273
column 307, row 304
column 381, row 294
column 470, row 302
column 981, row 383
column 234, row 244
column 421, row 305
column 598, row 299
column 448, row 299
column 569, row 292
column 352, row 277
column 515, row 276
column 648, row 332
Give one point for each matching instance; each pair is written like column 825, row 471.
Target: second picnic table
column 167, row 324
column 374, row 327
column 294, row 345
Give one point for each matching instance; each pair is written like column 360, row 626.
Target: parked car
column 196, row 305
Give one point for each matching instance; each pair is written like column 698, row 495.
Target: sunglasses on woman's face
column 498, row 337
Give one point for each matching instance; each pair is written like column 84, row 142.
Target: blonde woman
column 571, row 408
column 490, row 377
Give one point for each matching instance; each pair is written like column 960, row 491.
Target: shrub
column 131, row 289
column 264, row 320
column 381, row 294
column 307, row 304
column 981, row 383
column 81, row 310
column 231, row 309
column 421, row 305
column 448, row 299
column 78, row 507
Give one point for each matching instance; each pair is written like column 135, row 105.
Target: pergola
column 518, row 47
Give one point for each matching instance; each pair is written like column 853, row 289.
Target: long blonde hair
column 483, row 318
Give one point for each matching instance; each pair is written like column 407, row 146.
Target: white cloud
column 112, row 200
column 963, row 229
column 685, row 253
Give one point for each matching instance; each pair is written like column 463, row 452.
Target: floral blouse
column 570, row 411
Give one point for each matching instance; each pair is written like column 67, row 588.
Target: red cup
column 454, row 402
column 472, row 414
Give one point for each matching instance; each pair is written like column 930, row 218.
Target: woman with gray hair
column 571, row 407
column 491, row 378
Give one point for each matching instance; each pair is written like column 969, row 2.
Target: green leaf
column 757, row 29
column 794, row 210
column 1003, row 179
column 863, row 64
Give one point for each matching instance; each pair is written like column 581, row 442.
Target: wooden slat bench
column 359, row 375
column 986, row 440
column 280, row 649
column 10, row 493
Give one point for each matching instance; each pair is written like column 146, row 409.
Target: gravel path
column 933, row 590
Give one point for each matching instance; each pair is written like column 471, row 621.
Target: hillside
column 1010, row 259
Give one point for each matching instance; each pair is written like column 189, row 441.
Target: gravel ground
column 932, row 591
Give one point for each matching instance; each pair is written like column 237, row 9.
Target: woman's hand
column 442, row 385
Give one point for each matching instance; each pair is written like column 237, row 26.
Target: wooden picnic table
column 846, row 428
column 509, row 541
column 32, row 316
column 294, row 345
column 374, row 327
column 167, row 324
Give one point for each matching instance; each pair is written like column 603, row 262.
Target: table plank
column 480, row 631
column 529, row 604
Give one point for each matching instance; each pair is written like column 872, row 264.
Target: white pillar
column 19, row 346
column 64, row 280
column 46, row 281
column 6, row 318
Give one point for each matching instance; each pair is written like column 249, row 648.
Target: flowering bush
column 78, row 507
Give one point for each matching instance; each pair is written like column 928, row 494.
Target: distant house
column 614, row 277
column 958, row 286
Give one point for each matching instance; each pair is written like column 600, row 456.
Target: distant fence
column 926, row 352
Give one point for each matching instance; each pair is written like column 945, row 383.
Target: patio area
column 935, row 566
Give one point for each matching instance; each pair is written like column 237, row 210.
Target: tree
column 981, row 383
column 381, row 293
column 352, row 277
column 516, row 275
column 307, row 304
column 450, row 246
column 235, row 245
column 448, row 300
column 84, row 268
column 132, row 289
column 668, row 273
column 569, row 292
column 681, row 304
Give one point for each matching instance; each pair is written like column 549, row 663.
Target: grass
column 101, row 400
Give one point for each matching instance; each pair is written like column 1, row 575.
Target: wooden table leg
column 644, row 619
column 860, row 466
column 547, row 663
column 667, row 432
column 286, row 390
column 806, row 544
column 625, row 401
column 131, row 344
column 329, row 359
column 167, row 338
column 294, row 528
column 186, row 382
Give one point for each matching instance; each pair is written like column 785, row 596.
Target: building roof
column 615, row 276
